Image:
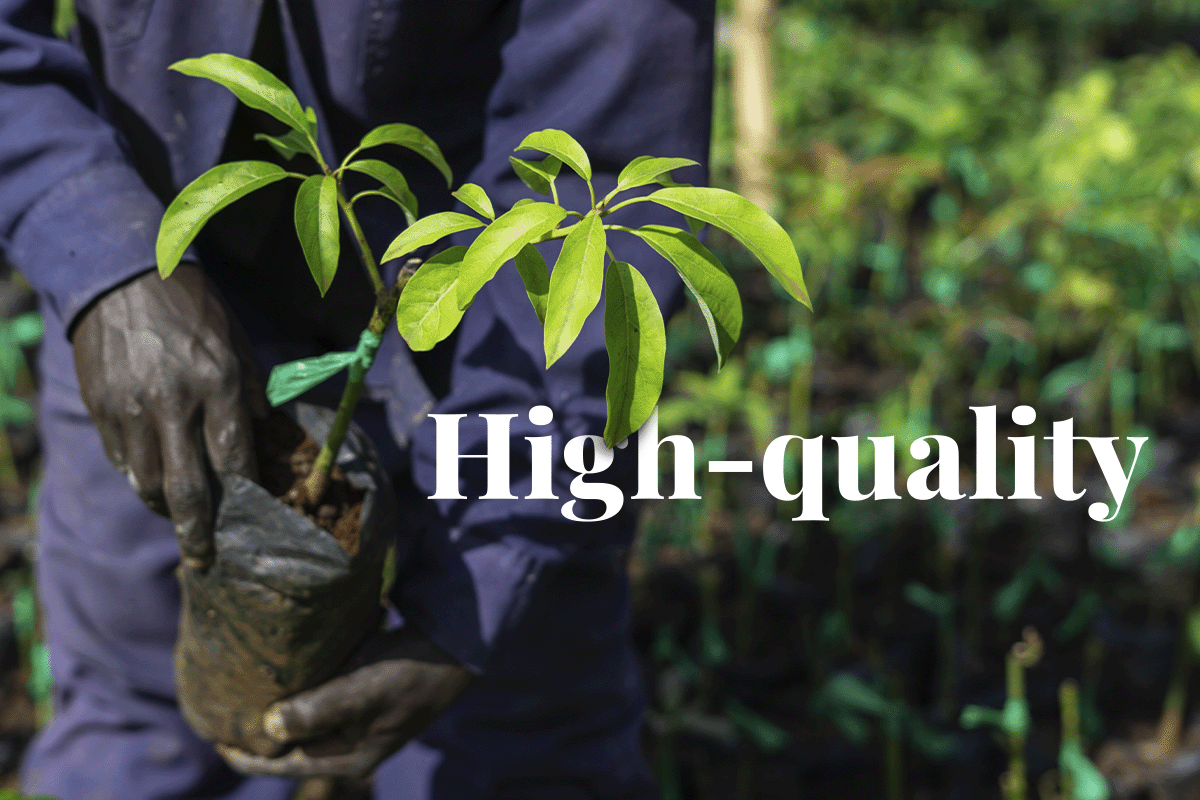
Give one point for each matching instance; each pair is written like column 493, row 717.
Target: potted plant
column 272, row 615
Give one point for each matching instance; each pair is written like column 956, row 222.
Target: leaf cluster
column 433, row 301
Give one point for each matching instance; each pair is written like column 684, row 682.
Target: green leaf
column 318, row 226
column 414, row 139
column 850, row 691
column 253, row 85
column 427, row 231
column 537, row 175
column 289, row 145
column 536, row 277
column 636, row 339
column 645, row 170
column 747, row 223
column 428, row 311
column 707, row 280
column 394, row 184
column 502, row 240
column 475, row 198
column 560, row 145
column 575, row 284
column 766, row 735
column 204, row 197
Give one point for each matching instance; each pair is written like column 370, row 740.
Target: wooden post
column 753, row 96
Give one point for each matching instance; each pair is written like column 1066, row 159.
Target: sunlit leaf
column 575, row 285
column 204, row 197
column 707, row 280
column 747, row 223
column 536, row 277
column 562, row 146
column 645, row 170
column 318, row 226
column 475, row 198
column 414, row 139
column 636, row 340
column 253, row 85
column 427, row 231
column 502, row 240
column 393, row 182
column 537, row 175
column 428, row 310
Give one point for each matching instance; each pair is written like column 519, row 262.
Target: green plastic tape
column 289, row 381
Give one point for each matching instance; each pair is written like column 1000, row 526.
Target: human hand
column 165, row 372
column 393, row 688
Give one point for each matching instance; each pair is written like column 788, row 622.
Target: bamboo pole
column 755, row 130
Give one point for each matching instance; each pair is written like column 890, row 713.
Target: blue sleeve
column 626, row 78
column 75, row 217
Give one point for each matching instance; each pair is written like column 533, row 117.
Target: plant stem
column 364, row 250
column 1068, row 701
column 385, row 309
column 1170, row 724
column 1015, row 684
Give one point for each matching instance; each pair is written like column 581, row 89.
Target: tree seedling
column 1014, row 719
column 845, row 699
column 1078, row 777
column 429, row 303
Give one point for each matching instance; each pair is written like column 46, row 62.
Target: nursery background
column 995, row 203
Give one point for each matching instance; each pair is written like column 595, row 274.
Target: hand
column 396, row 685
column 165, row 372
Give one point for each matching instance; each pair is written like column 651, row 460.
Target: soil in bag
column 295, row 586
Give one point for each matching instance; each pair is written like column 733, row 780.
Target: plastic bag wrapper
column 283, row 605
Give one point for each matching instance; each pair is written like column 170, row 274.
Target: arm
column 75, row 217
column 78, row 221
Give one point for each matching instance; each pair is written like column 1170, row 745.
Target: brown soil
column 285, row 456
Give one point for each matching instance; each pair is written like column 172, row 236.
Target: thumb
column 340, row 703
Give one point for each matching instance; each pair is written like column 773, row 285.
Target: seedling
column 1014, row 719
column 1078, row 777
column 845, row 699
column 428, row 307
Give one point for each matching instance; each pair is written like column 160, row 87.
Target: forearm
column 75, row 217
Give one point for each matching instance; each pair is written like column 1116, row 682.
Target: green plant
column 1014, row 719
column 1079, row 778
column 429, row 302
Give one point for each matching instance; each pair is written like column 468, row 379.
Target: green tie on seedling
column 429, row 303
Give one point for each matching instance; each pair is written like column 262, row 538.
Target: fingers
column 185, row 485
column 230, row 437
column 338, row 704
column 298, row 764
column 112, row 437
column 143, row 462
